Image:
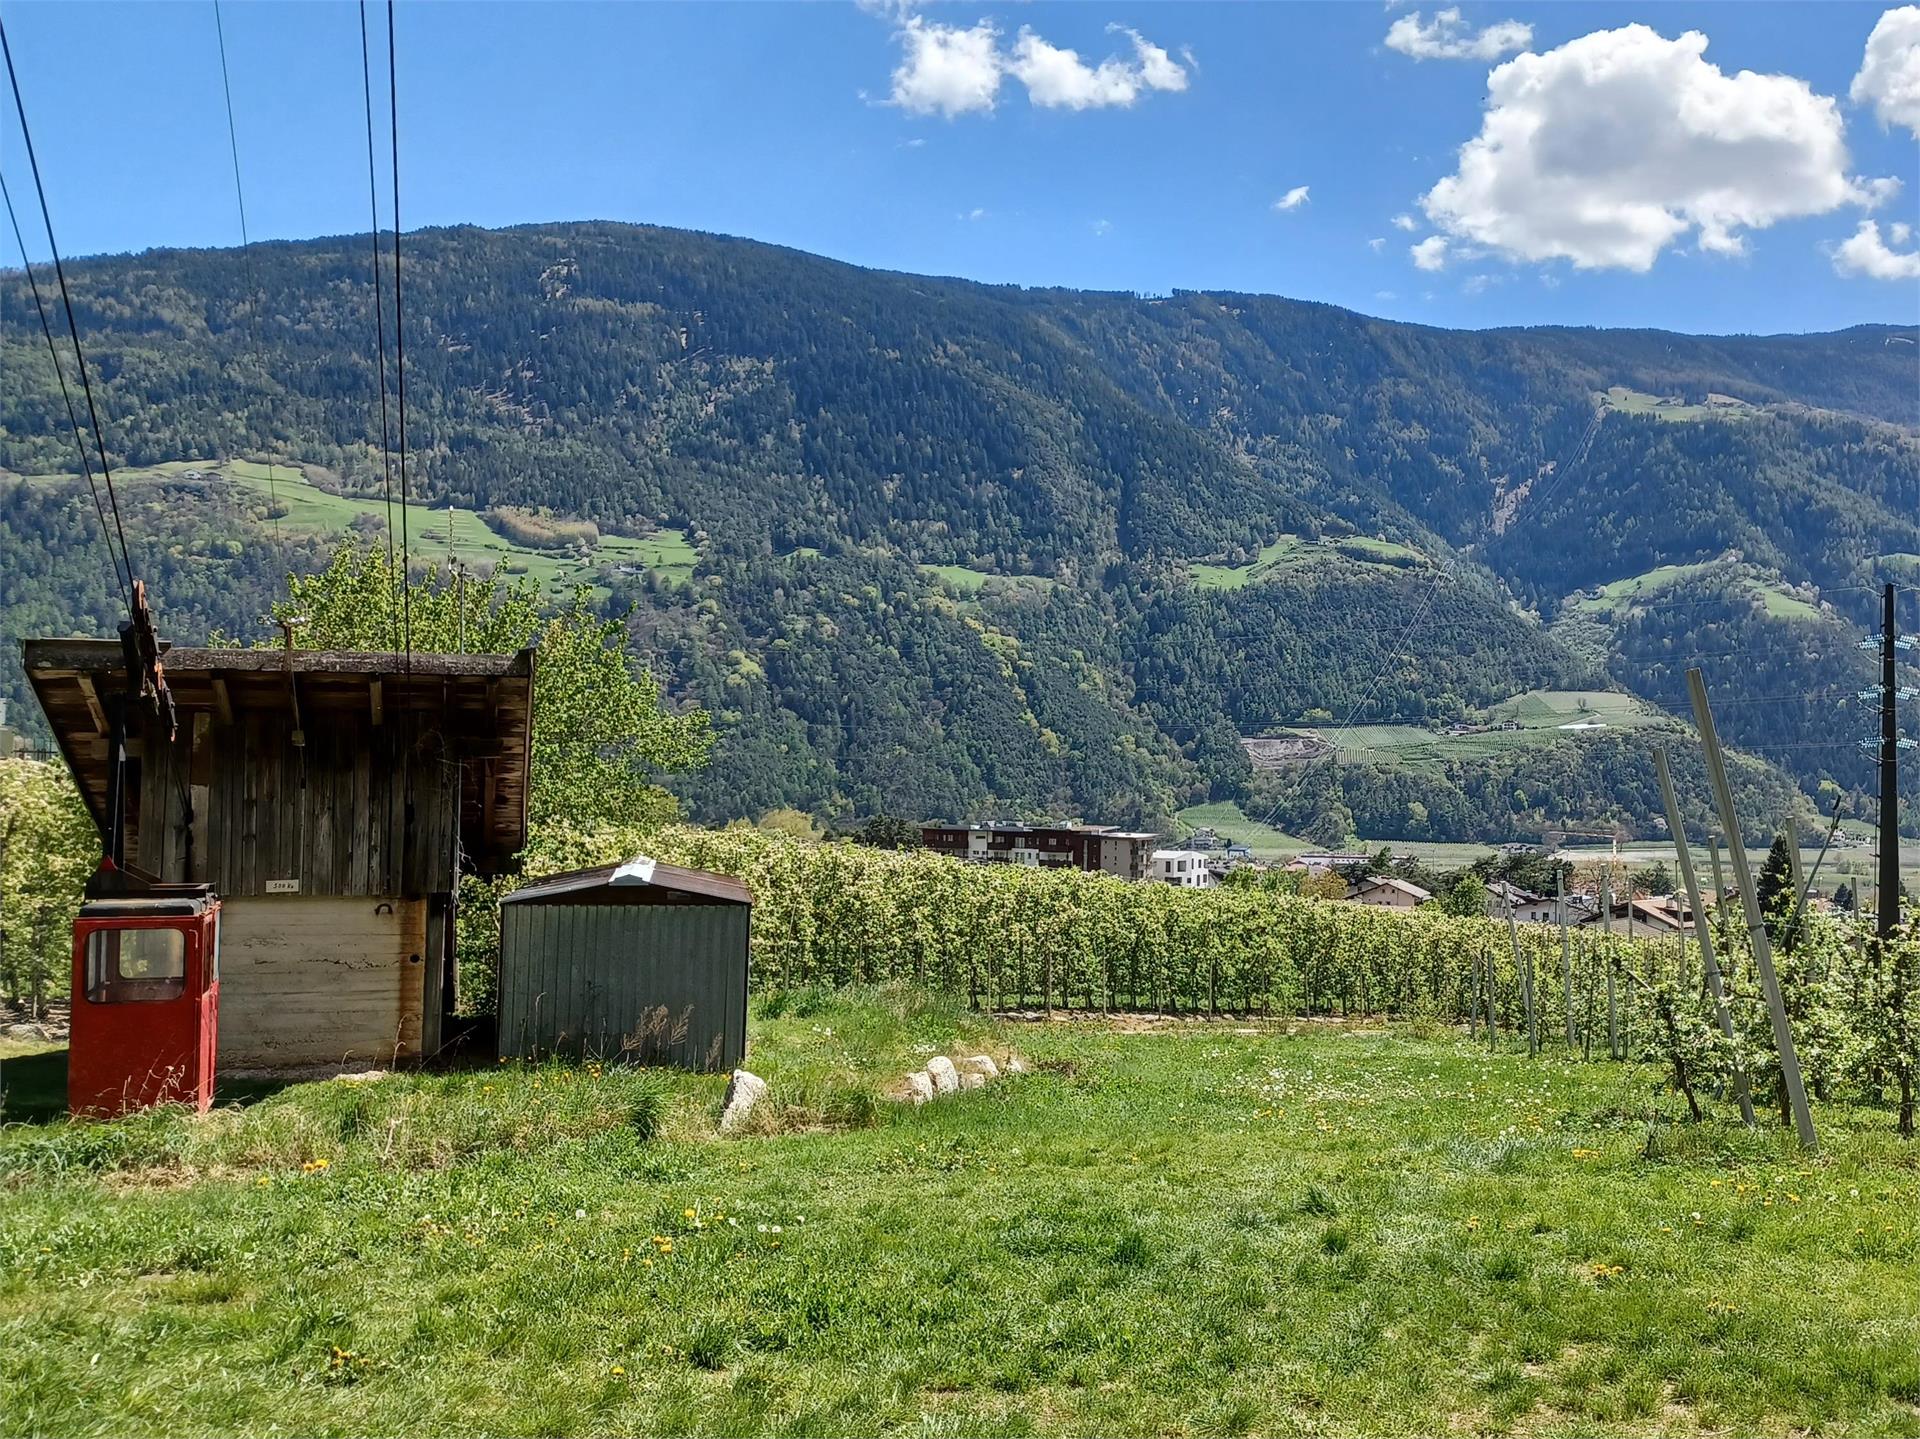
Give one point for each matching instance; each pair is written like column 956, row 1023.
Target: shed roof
column 483, row 702
column 641, row 880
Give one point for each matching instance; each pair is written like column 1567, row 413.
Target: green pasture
column 1169, row 1227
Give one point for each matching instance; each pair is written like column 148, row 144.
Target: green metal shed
column 639, row 961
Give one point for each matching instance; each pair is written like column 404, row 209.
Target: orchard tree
column 48, row 848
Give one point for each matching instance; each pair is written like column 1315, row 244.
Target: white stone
column 981, row 1064
column 945, row 1078
column 973, row 1079
column 744, row 1091
column 1017, row 1065
column 919, row 1087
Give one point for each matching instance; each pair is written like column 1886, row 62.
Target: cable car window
column 136, row 965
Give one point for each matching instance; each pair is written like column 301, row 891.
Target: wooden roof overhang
column 482, row 704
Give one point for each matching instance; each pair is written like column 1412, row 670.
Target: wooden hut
column 332, row 800
column 641, row 961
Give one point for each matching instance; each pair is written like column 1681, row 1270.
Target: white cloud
column 1385, row 295
column 1158, row 69
column 949, row 70
column 1058, row 78
column 1292, row 200
column 1377, row 243
column 1448, row 37
column 976, row 213
column 1405, row 222
column 1613, row 146
column 1865, row 253
column 1430, row 253
column 1102, row 227
column 1889, row 78
column 946, row 70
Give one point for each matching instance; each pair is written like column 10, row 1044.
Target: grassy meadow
column 1169, row 1227
column 1291, row 552
column 305, row 508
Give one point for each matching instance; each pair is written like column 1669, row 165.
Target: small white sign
column 283, row 886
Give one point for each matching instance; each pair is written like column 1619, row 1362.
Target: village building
column 1389, row 893
column 1653, row 917
column 332, row 800
column 1095, row 848
column 1182, row 868
column 1326, row 863
column 1505, row 897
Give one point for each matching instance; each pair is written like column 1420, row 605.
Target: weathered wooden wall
column 329, row 815
column 322, row 981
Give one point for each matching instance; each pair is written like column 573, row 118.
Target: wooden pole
column 1606, row 954
column 1756, row 921
column 1521, row 976
column 1493, row 997
column 1678, row 830
column 1566, row 955
column 1790, row 832
column 1719, row 887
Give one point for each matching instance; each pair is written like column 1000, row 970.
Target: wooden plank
column 222, row 701
column 376, row 701
column 320, row 980
column 95, row 711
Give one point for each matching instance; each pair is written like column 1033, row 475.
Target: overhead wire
column 399, row 331
column 73, row 327
column 66, row 395
column 255, row 297
column 379, row 319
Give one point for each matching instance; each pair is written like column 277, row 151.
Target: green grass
column 1291, row 552
column 958, row 577
column 1542, row 714
column 1638, row 402
column 1186, row 1228
column 1623, row 594
column 307, row 509
column 1226, row 819
column 968, row 581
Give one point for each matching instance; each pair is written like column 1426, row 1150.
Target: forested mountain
column 1209, row 515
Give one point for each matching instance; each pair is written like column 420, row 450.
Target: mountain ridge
column 768, row 403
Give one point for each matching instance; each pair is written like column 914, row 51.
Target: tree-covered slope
column 826, row 435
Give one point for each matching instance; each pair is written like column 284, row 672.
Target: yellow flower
column 686, row 1214
column 617, row 1371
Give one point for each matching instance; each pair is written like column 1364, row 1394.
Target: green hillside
column 1213, row 514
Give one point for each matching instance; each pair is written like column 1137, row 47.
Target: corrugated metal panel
column 653, row 984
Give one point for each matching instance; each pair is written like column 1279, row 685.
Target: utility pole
column 1756, row 921
column 1889, row 878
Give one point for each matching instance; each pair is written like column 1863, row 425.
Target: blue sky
column 818, row 126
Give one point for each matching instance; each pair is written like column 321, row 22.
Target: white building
column 1186, row 868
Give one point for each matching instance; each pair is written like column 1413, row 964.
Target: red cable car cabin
column 146, row 994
